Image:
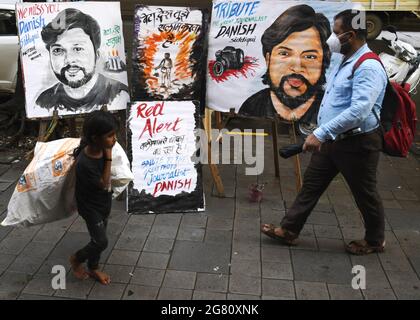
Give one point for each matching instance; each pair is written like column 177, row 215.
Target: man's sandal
column 361, row 247
column 288, row 237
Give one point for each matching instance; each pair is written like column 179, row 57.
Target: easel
column 274, row 132
column 213, row 167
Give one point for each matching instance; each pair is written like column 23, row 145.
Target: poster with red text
column 162, row 149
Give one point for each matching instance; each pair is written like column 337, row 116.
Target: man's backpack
column 398, row 115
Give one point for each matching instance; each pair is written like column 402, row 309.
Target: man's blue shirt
column 348, row 103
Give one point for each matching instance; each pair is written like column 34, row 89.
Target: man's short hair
column 348, row 17
column 295, row 19
column 72, row 18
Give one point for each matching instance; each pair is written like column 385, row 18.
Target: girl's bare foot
column 78, row 270
column 102, row 277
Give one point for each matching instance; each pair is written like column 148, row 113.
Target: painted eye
column 78, row 49
column 311, row 57
column 57, row 51
column 283, row 53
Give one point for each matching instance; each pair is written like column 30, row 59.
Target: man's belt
column 349, row 133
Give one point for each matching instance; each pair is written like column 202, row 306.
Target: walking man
column 347, row 140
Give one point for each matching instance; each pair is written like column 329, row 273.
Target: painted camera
column 228, row 58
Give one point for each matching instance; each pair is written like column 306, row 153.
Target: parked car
column 9, row 47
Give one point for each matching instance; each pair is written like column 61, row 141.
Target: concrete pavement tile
column 333, row 245
column 343, row 292
column 246, row 251
column 220, row 207
column 218, row 223
column 5, row 261
column 164, row 232
column 190, row 234
column 143, row 220
column 391, row 204
column 250, row 268
column 203, row 295
column 375, row 274
column 353, row 233
column 119, row 274
column 322, row 218
column 13, row 245
column 403, row 194
column 304, row 243
column 174, row 294
column 38, row 249
column 403, row 219
column 394, row 259
column 278, row 289
column 194, row 220
column 136, row 292
column 234, row 296
column 245, row 285
column 40, row 285
column 25, row 264
column 70, row 243
column 158, row 245
column 135, row 231
column 211, row 282
column 321, row 267
column 148, row 277
column 124, row 257
column 48, row 264
column 153, row 260
column 222, row 236
column 75, row 288
column 179, row 279
column 168, row 219
column 51, row 236
column 408, row 238
column 331, row 232
column 25, row 296
column 406, row 285
column 214, row 257
column 130, row 243
column 14, row 281
column 275, row 254
column 112, row 291
column 7, row 295
column 275, row 270
column 311, row 290
column 379, row 294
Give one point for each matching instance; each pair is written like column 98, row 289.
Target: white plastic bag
column 46, row 190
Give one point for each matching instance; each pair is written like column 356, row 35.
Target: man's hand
column 312, row 144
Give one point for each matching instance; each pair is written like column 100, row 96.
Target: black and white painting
column 73, row 57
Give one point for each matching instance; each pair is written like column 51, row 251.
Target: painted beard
column 74, row 84
column 290, row 101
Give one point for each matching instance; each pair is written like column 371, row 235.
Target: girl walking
column 93, row 191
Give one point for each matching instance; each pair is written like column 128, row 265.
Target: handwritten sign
column 168, row 53
column 248, row 71
column 73, row 57
column 163, row 144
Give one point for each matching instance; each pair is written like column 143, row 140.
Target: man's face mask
column 336, row 45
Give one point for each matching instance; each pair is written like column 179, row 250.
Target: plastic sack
column 46, row 190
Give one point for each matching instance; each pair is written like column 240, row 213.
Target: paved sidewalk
column 220, row 254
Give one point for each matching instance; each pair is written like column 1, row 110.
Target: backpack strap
column 363, row 58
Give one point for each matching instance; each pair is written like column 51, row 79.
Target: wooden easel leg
column 213, row 167
column 42, row 129
column 219, row 124
column 274, row 133
column 298, row 170
column 72, row 127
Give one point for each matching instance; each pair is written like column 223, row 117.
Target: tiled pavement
column 220, row 254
